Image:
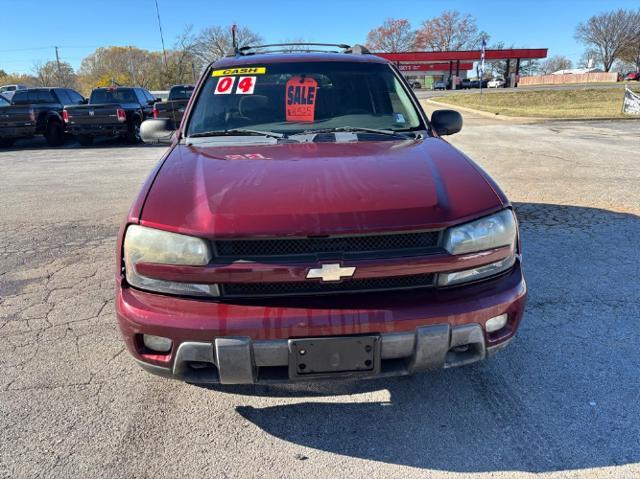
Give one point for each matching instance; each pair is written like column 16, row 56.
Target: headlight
column 150, row 245
column 486, row 233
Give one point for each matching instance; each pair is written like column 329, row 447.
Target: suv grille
column 314, row 287
column 386, row 245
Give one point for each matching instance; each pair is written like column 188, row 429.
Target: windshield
column 113, row 96
column 295, row 97
column 180, row 92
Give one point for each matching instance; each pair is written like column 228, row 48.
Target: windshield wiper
column 353, row 129
column 237, row 132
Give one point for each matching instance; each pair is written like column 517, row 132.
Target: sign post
column 481, row 66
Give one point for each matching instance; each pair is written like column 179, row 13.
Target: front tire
column 54, row 134
column 133, row 135
column 85, row 140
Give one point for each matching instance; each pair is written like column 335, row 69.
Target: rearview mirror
column 446, row 122
column 157, row 131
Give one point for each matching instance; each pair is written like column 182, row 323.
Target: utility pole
column 164, row 52
column 58, row 63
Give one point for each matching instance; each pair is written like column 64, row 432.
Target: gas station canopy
column 466, row 55
column 459, row 60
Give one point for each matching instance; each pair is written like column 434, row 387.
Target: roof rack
column 298, row 47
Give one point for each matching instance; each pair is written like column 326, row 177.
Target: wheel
column 6, row 142
column 54, row 134
column 85, row 140
column 133, row 135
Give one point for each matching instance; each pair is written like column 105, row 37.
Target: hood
column 317, row 189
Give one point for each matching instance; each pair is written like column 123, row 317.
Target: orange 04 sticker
column 300, row 99
column 225, row 85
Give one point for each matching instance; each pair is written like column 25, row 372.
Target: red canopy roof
column 467, row 55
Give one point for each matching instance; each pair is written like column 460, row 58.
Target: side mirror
column 157, row 131
column 446, row 122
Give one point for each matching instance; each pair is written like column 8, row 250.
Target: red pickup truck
column 309, row 222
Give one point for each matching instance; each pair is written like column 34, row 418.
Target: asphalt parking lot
column 562, row 401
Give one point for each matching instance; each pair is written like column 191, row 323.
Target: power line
column 26, row 49
column 8, row 50
column 164, row 52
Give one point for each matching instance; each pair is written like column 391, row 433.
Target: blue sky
column 30, row 28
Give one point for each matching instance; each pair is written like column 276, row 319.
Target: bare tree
column 555, row 63
column 182, row 63
column 48, row 74
column 215, row 42
column 631, row 52
column 296, row 48
column 450, row 31
column 394, row 35
column 608, row 34
column 589, row 58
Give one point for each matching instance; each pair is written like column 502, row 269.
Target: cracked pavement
column 562, row 401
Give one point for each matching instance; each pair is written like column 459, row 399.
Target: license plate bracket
column 334, row 356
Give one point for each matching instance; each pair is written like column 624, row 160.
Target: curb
column 525, row 119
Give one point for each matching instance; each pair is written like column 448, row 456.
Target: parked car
column 111, row 112
column 308, row 221
column 495, row 83
column 8, row 90
column 439, row 85
column 465, row 83
column 632, row 76
column 174, row 107
column 416, row 85
column 476, row 83
column 36, row 111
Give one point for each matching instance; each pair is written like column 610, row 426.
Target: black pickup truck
column 36, row 111
column 173, row 108
column 116, row 112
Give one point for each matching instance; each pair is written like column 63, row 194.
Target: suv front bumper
column 239, row 360
column 248, row 342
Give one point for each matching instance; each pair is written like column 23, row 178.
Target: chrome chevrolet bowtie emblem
column 331, row 272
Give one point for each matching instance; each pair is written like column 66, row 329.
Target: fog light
column 446, row 279
column 157, row 343
column 497, row 323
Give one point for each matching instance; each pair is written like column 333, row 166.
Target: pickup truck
column 36, row 111
column 307, row 222
column 111, row 112
column 8, row 90
column 174, row 107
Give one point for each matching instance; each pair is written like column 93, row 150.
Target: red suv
column 309, row 222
